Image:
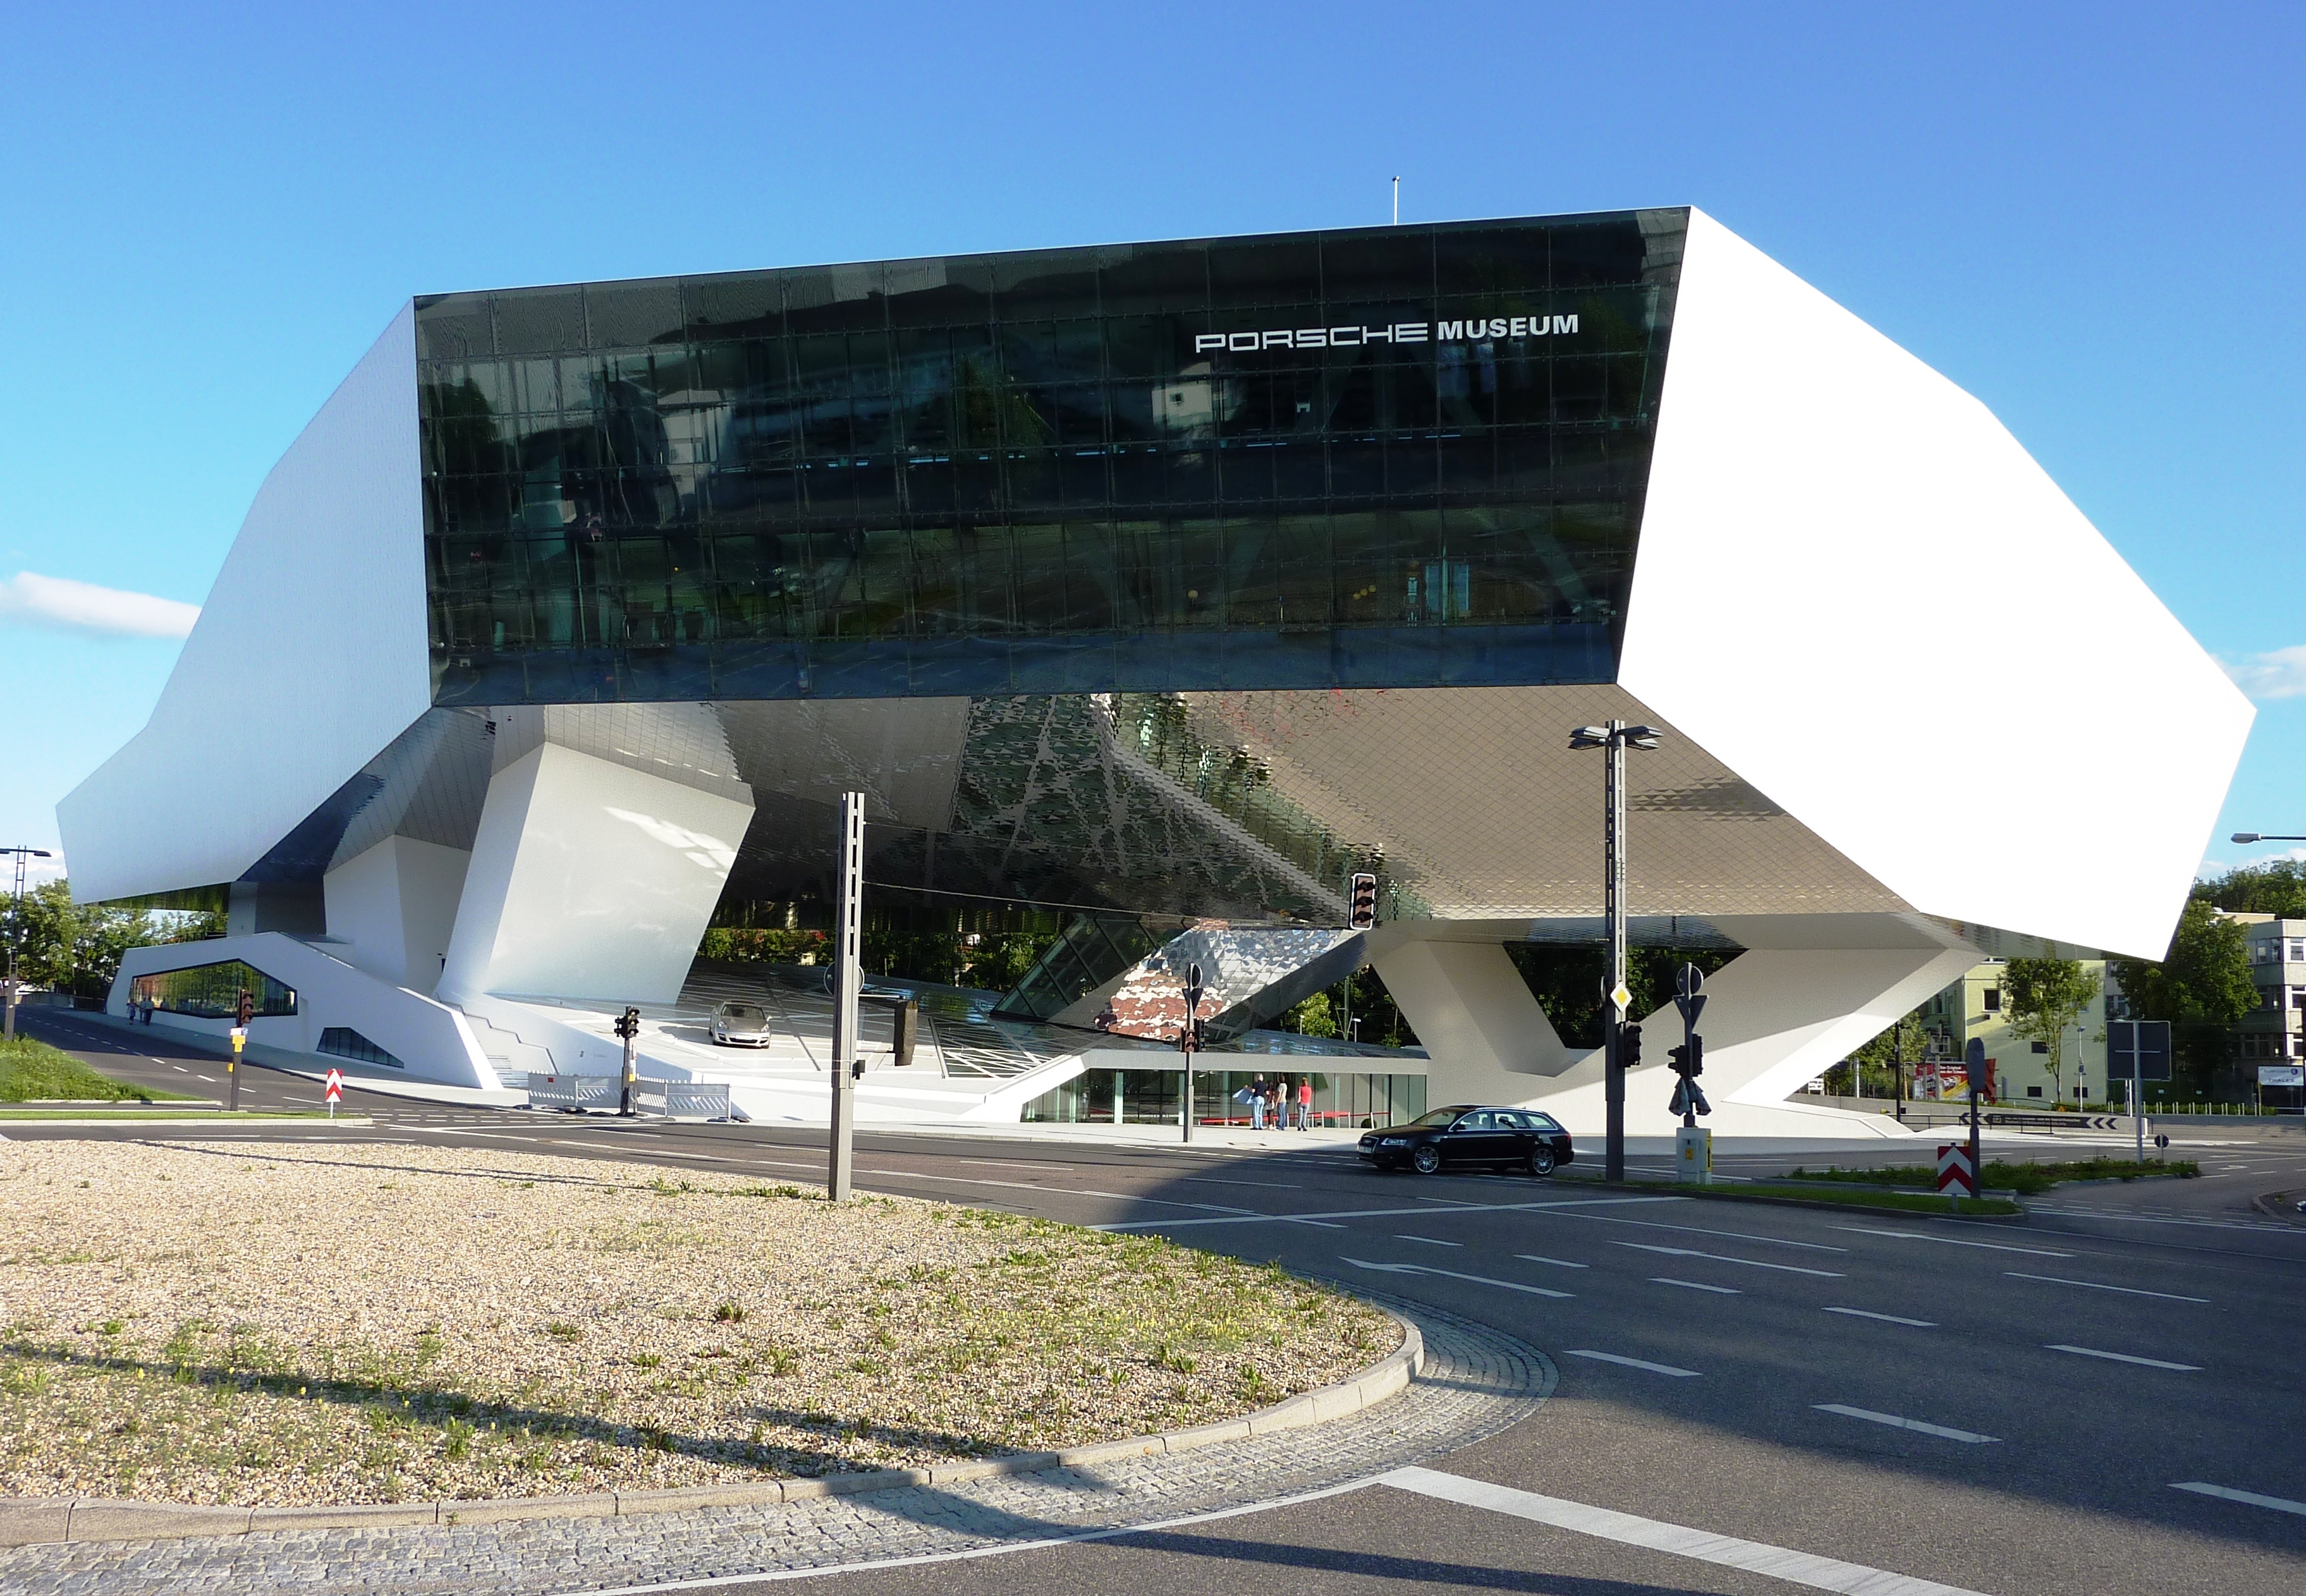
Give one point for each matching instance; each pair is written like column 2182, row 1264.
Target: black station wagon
column 1463, row 1137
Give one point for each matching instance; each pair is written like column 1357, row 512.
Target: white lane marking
column 1534, row 1291
column 1887, row 1319
column 1707, row 1230
column 1895, row 1422
column 1486, row 1208
column 2091, row 1352
column 1916, row 1236
column 180, row 1069
column 2154, row 1219
column 1751, row 1263
column 1727, row 1552
column 2226, row 1493
column 2127, row 1291
column 1559, row 1263
column 1721, row 1291
column 1428, row 1240
column 1587, row 1352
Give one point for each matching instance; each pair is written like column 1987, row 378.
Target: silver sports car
column 740, row 1025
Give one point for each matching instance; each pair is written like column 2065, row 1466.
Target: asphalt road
column 1999, row 1408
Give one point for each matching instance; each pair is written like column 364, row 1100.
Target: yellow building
column 2019, row 1071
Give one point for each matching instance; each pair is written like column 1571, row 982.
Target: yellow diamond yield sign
column 1621, row 997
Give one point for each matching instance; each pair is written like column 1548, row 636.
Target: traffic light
column 1629, row 1047
column 1362, row 914
column 247, row 1010
column 628, row 1024
column 1689, row 1058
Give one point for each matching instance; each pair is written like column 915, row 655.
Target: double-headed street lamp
column 1615, row 738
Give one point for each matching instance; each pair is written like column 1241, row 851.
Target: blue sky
column 2089, row 216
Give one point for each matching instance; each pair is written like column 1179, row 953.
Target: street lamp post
column 1614, row 739
column 16, row 933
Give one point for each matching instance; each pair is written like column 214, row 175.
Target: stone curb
column 2275, row 1205
column 31, row 1520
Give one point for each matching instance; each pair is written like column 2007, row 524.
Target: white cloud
column 31, row 599
column 2281, row 674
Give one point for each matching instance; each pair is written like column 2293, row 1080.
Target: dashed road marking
column 2127, row 1291
column 1751, row 1263
column 2091, row 1352
column 1916, row 1236
column 1887, row 1319
column 1720, row 1291
column 1559, row 1263
column 2227, row 1493
column 1534, row 1291
column 1587, row 1352
column 1944, row 1434
column 1428, row 1240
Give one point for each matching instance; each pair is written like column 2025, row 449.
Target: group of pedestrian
column 1268, row 1103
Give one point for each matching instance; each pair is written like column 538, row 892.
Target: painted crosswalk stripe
column 2227, row 1493
column 1587, row 1352
column 2091, row 1352
column 1887, row 1319
column 1627, row 1529
column 2127, row 1291
column 1895, row 1422
column 1720, row 1291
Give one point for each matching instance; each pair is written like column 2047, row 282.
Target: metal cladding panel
column 1844, row 553
column 309, row 657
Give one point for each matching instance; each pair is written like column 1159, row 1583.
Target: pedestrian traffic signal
column 1362, row 914
column 1629, row 1047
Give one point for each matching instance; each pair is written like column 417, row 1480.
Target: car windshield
column 1440, row 1119
column 742, row 1014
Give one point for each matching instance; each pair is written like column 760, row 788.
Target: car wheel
column 1541, row 1161
column 1426, row 1160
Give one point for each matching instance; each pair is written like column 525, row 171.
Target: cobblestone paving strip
column 1476, row 1382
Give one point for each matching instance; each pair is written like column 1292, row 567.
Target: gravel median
column 291, row 1323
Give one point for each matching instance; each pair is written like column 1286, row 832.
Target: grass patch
column 2027, row 1179
column 32, row 1070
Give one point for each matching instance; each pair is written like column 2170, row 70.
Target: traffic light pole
column 847, row 1063
column 1189, row 1039
column 1613, row 906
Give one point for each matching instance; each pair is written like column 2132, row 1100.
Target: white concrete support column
column 393, row 909
column 1774, row 1019
column 1488, row 1039
column 589, row 880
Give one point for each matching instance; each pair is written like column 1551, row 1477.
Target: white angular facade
column 1178, row 582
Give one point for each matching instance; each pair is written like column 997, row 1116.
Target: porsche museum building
column 1162, row 586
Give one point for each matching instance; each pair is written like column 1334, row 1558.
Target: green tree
column 1313, row 1017
column 2201, row 986
column 77, row 947
column 1567, row 980
column 2043, row 998
column 2277, row 887
column 1904, row 1042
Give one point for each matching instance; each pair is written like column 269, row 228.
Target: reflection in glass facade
column 1148, row 1096
column 213, row 991
column 1383, row 456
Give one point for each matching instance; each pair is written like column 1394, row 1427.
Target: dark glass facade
column 1382, row 457
column 213, row 991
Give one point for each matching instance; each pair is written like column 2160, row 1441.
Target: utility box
column 1693, row 1155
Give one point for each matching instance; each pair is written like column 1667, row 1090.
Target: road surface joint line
column 2091, row 1352
column 1969, row 1437
column 2228, row 1494
column 1476, row 1382
column 1627, row 1529
column 2127, row 1291
column 1618, row 1358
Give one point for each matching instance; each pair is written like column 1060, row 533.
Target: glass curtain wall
column 212, row 992
column 1148, row 1096
column 1409, row 456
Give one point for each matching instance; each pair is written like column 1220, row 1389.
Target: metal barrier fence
column 670, row 1099
column 573, row 1091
